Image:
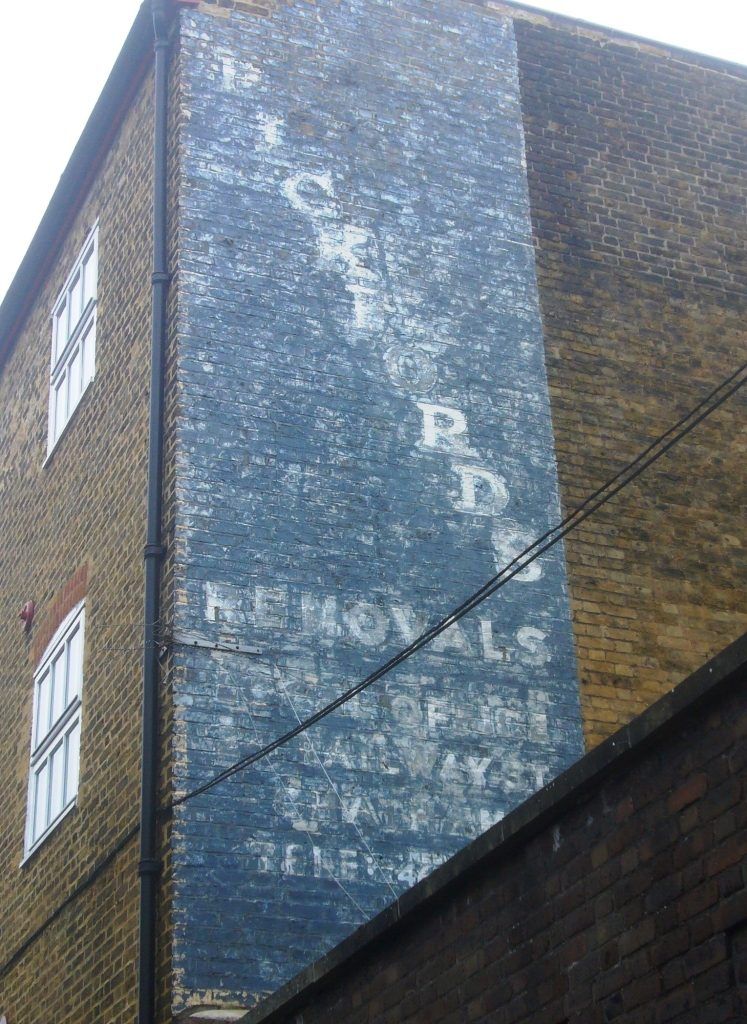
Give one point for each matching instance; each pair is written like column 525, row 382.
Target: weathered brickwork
column 364, row 437
column 626, row 900
column 72, row 528
column 637, row 179
column 440, row 267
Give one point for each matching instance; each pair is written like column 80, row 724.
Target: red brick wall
column 628, row 902
column 67, row 598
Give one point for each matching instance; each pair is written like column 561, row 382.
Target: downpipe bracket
column 154, row 551
column 149, row 867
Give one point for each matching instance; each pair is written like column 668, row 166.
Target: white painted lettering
column 452, row 639
column 532, row 641
column 450, row 769
column 412, row 369
column 236, row 73
column 265, row 854
column 476, row 768
column 489, row 651
column 483, row 493
column 270, row 606
column 407, row 621
column 407, row 711
column 303, row 193
column 347, row 248
column 223, row 603
column 351, row 809
column 437, row 714
column 508, row 541
column 348, row 864
column 538, row 728
column 319, row 615
column 323, row 862
column 444, row 429
column 292, row 863
column 367, row 623
column 271, row 130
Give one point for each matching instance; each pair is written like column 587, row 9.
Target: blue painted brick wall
column 365, row 436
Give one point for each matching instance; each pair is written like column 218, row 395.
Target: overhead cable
column 615, row 484
column 625, row 476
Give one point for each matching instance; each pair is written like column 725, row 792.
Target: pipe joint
column 148, row 866
column 154, row 551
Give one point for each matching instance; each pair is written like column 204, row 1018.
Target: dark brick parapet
column 634, row 776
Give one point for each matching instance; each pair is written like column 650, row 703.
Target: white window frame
column 73, row 339
column 54, row 764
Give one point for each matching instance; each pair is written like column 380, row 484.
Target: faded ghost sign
column 365, row 437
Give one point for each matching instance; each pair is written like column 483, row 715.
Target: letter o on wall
column 367, row 623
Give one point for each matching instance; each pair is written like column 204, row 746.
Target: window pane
column 74, row 313
column 89, row 276
column 56, row 742
column 72, row 761
column 60, row 331
column 88, row 345
column 60, row 405
column 43, row 694
column 75, row 666
column 41, row 794
column 59, row 681
column 74, row 370
column 56, row 779
column 76, row 300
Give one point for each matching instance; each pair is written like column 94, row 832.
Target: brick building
column 616, row 893
column 426, row 275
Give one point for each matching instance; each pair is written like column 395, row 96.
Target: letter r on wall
column 444, row 429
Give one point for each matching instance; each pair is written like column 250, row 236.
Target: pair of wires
column 591, row 504
column 596, row 500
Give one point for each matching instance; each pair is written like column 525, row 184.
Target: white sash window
column 73, row 339
column 55, row 732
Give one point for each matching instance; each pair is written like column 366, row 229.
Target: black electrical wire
column 549, row 539
column 86, row 883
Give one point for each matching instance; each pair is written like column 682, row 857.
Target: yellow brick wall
column 643, row 297
column 85, row 507
column 636, row 164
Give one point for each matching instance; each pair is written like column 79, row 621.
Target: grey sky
column 55, row 56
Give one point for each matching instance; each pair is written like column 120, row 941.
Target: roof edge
column 103, row 122
column 520, row 825
column 109, row 110
column 539, row 15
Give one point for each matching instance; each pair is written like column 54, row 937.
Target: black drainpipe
column 150, row 866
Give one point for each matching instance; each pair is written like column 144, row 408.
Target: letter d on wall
column 483, row 493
